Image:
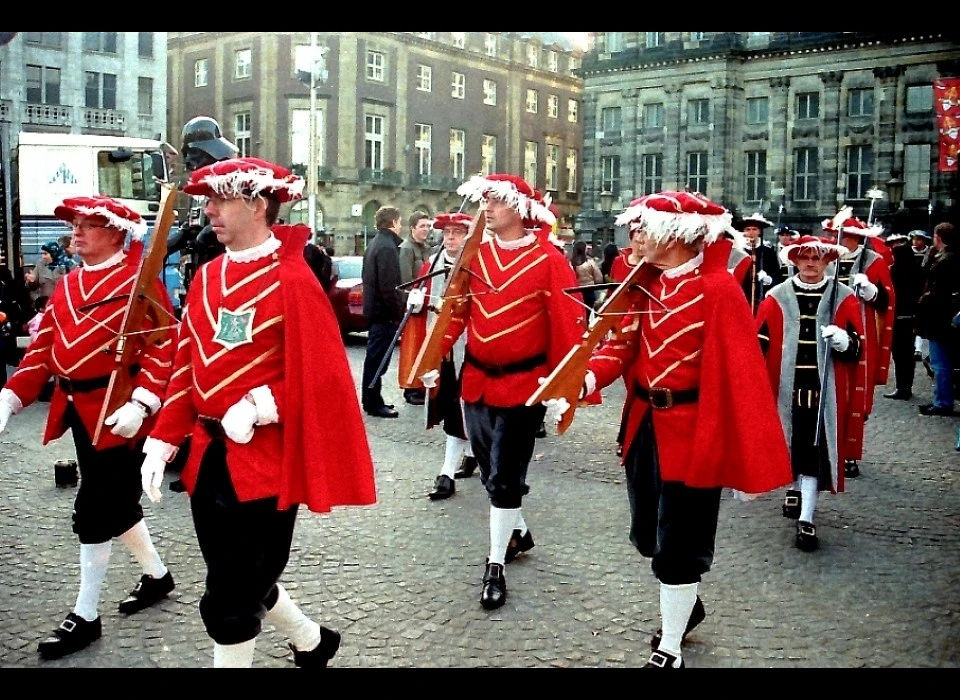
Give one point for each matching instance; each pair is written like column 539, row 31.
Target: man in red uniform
column 75, row 345
column 810, row 332
column 866, row 271
column 515, row 335
column 696, row 408
column 245, row 390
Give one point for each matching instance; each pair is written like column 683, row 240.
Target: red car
column 346, row 294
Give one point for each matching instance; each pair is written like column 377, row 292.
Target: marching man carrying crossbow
column 74, row 344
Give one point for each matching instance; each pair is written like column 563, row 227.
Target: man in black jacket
column 907, row 283
column 764, row 272
column 383, row 305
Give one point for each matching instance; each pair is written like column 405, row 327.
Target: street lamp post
column 606, row 204
column 895, row 190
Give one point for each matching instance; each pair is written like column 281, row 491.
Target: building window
column 530, row 162
column 553, row 168
column 100, row 90
column 572, row 170
column 422, row 138
column 653, row 116
column 459, row 39
column 102, row 42
column 919, row 99
column 244, row 64
column 424, row 78
column 48, row 40
column 610, row 121
column 458, row 153
column 698, row 36
column 697, row 172
column 610, row 174
column 756, row 176
column 808, row 105
column 200, row 68
column 533, row 56
column 572, row 111
column 145, row 96
column 613, row 41
column 574, row 63
column 758, row 110
column 145, row 44
column 806, row 181
column 243, row 133
column 699, row 112
column 489, row 92
column 860, row 103
column 916, row 171
column 655, row 39
column 651, row 173
column 859, row 171
column 552, row 61
column 490, row 44
column 300, row 137
column 459, row 85
column 376, row 63
column 553, row 106
column 373, row 141
column 531, row 101
column 43, row 85
column 430, row 36
column 488, row 155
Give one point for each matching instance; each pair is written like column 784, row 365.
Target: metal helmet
column 204, row 144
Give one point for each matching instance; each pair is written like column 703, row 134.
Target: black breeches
column 674, row 524
column 902, row 351
column 245, row 546
column 806, row 458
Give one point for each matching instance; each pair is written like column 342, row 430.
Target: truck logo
column 64, row 176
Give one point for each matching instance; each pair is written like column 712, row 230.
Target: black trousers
column 108, row 498
column 503, row 440
column 674, row 524
column 379, row 337
column 902, row 352
column 245, row 546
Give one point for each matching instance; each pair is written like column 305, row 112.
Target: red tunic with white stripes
column 78, row 342
column 515, row 311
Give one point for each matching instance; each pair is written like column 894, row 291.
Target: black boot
column 494, row 593
column 467, row 467
column 443, row 487
column 518, row 544
column 73, row 634
column 147, row 592
column 319, row 656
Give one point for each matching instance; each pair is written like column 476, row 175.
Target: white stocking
column 94, row 560
column 808, row 497
column 234, row 655
column 503, row 521
column 452, row 456
column 676, row 604
column 290, row 621
column 138, row 541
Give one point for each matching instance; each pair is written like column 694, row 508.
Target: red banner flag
column 946, row 99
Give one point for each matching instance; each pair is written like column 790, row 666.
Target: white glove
column 9, row 404
column 151, row 476
column 555, row 410
column 764, row 279
column 239, row 420
column 589, row 384
column 127, row 419
column 415, row 300
column 866, row 289
column 839, row 338
column 430, row 378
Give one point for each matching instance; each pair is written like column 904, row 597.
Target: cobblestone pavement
column 401, row 579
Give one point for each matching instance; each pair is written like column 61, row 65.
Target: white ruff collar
column 114, row 259
column 686, row 267
column 528, row 239
column 853, row 255
column 262, row 250
column 806, row 285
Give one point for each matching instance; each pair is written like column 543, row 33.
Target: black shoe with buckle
column 65, row 473
column 851, row 469
column 807, row 536
column 697, row 615
column 663, row 659
column 791, row 504
column 443, row 487
column 518, row 544
column 494, row 593
column 319, row 656
column 73, row 634
column 147, row 592
column 468, row 465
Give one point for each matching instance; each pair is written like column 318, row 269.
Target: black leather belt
column 213, row 426
column 508, row 368
column 80, row 386
column 658, row 397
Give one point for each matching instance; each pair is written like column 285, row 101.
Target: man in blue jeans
column 938, row 304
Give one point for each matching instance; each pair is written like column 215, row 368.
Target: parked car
column 346, row 294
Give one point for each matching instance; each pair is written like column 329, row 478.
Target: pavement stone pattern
column 401, row 579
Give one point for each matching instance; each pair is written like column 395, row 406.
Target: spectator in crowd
column 50, row 269
column 413, row 252
column 587, row 270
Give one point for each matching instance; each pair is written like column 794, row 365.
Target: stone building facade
column 402, row 118
column 806, row 121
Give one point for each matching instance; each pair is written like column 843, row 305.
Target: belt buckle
column 660, row 397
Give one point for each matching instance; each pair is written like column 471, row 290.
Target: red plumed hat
column 105, row 211
column 454, row 219
column 533, row 206
column 684, row 215
column 824, row 247
column 247, row 178
column 845, row 222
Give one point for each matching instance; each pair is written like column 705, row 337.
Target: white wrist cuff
column 158, row 448
column 15, row 403
column 147, row 398
column 589, row 382
column 266, row 405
